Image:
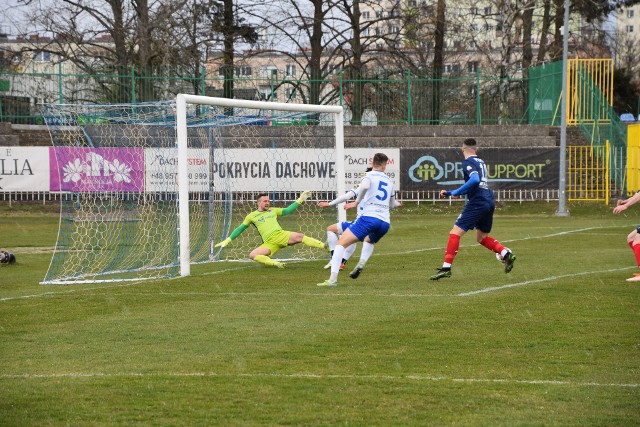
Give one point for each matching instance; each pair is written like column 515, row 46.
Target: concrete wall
column 356, row 136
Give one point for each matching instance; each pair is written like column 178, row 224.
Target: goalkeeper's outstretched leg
column 263, row 259
column 306, row 240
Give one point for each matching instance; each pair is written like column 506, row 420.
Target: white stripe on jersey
column 377, row 199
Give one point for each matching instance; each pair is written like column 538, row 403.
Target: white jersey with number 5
column 376, row 200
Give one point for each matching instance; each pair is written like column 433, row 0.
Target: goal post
column 182, row 100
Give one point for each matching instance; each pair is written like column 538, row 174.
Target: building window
column 474, row 27
column 379, row 14
column 412, row 3
column 268, row 71
column 487, row 11
column 268, row 95
column 242, row 71
column 365, row 15
column 473, row 10
column 630, row 13
column 394, row 30
column 488, row 27
column 289, row 94
column 290, row 70
column 42, row 56
column 472, row 66
column 629, row 28
column 457, row 44
column 365, row 32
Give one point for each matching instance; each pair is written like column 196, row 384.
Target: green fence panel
column 545, row 88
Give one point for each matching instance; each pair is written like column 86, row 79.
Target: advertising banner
column 24, row 169
column 161, row 171
column 435, row 169
column 264, row 169
column 85, row 169
column 356, row 161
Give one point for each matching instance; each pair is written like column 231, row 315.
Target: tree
column 104, row 36
column 300, row 29
column 148, row 37
column 626, row 92
column 359, row 43
column 227, row 22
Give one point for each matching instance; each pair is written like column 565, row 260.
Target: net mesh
column 117, row 168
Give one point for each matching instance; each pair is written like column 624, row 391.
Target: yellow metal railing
column 633, row 159
column 590, row 88
column 588, row 175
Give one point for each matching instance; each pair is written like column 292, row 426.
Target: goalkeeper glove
column 304, row 196
column 224, row 243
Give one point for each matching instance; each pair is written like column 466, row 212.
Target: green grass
column 556, row 342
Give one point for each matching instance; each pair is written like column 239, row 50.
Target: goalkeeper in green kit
column 274, row 238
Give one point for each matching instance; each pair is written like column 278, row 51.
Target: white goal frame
column 183, row 174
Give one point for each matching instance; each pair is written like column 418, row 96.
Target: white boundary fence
column 520, row 196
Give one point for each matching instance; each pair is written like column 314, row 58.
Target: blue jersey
column 480, row 193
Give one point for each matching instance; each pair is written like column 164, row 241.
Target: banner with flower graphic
column 96, row 169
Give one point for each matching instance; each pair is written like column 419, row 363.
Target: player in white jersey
column 375, row 196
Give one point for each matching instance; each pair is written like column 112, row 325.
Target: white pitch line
column 558, row 234
column 546, row 279
column 316, row 376
column 69, row 291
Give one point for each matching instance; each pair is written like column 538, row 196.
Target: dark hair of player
column 379, row 159
column 469, row 142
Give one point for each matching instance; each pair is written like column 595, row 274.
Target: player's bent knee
column 295, row 238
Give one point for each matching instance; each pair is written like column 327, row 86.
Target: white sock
column 336, row 260
column 365, row 253
column 332, row 239
column 349, row 251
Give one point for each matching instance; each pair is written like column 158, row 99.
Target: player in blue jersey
column 375, row 196
column 477, row 212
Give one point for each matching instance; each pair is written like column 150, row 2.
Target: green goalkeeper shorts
column 277, row 241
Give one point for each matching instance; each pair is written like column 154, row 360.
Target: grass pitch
column 555, row 342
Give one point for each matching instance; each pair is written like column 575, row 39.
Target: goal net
column 148, row 189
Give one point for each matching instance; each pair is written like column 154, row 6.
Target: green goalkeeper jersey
column 265, row 221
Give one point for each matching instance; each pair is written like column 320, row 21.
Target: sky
column 9, row 15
